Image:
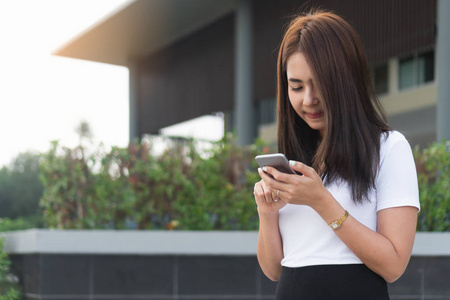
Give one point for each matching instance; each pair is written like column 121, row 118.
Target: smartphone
column 276, row 160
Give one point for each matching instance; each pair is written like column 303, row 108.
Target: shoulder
column 392, row 139
column 396, row 183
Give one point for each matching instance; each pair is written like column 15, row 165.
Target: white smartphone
column 276, row 160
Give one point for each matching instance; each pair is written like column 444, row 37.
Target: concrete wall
column 180, row 265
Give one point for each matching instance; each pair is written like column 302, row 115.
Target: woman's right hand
column 265, row 199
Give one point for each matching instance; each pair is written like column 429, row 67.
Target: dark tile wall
column 83, row 277
column 426, row 278
column 217, row 276
column 64, row 274
column 133, row 275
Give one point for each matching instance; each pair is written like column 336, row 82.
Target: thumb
column 302, row 168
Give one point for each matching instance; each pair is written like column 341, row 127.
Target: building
column 197, row 57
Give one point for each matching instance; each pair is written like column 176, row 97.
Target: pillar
column 244, row 120
column 133, row 99
column 443, row 70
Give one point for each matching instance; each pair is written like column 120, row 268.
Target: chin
column 318, row 128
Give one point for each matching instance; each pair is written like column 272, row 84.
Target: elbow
column 273, row 277
column 393, row 269
column 391, row 278
column 394, row 275
column 273, row 273
column 271, row 268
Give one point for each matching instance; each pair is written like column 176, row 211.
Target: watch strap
column 338, row 223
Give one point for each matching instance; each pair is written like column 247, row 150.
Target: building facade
column 197, row 57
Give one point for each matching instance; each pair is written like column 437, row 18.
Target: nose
column 310, row 98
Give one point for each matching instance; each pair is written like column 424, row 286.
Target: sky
column 45, row 97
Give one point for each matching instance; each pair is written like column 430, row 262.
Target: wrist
column 328, row 208
column 323, row 202
column 269, row 214
column 264, row 212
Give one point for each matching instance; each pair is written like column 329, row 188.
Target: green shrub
column 183, row 188
column 131, row 187
column 8, row 290
column 433, row 168
column 22, row 223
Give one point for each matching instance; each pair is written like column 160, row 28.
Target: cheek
column 296, row 102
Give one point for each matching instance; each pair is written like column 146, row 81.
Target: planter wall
column 80, row 265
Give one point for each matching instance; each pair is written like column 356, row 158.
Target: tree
column 20, row 188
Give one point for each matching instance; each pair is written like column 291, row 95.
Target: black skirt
column 325, row 282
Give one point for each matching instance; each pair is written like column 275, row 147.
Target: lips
column 315, row 115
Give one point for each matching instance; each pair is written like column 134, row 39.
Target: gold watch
column 338, row 223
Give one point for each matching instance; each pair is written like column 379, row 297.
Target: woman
column 345, row 225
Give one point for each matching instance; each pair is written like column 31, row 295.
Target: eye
column 296, row 89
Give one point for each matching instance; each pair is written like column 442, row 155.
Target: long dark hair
column 355, row 120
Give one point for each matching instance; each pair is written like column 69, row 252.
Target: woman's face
column 303, row 95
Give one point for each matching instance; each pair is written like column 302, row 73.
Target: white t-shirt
column 308, row 240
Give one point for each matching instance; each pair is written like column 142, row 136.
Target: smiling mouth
column 314, row 115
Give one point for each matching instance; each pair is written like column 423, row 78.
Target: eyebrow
column 299, row 80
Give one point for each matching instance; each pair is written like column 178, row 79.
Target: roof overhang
column 141, row 27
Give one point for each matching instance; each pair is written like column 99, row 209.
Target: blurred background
column 146, row 114
column 188, row 59
column 44, row 97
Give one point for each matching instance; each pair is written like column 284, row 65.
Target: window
column 267, row 111
column 406, row 73
column 416, row 70
column 426, row 67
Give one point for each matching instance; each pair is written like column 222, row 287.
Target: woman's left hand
column 306, row 189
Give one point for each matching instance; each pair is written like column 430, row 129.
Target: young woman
column 345, row 225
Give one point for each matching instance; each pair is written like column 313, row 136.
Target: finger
column 259, row 193
column 302, row 168
column 276, row 197
column 268, row 194
column 277, row 175
column 265, row 193
column 278, row 181
column 266, row 177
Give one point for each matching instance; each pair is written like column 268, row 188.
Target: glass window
column 426, row 67
column 380, row 78
column 406, row 73
column 267, row 111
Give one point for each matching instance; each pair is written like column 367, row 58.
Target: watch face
column 334, row 226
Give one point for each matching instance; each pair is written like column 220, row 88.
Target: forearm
column 384, row 253
column 270, row 246
column 375, row 250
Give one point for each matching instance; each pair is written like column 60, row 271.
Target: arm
column 270, row 246
column 386, row 252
